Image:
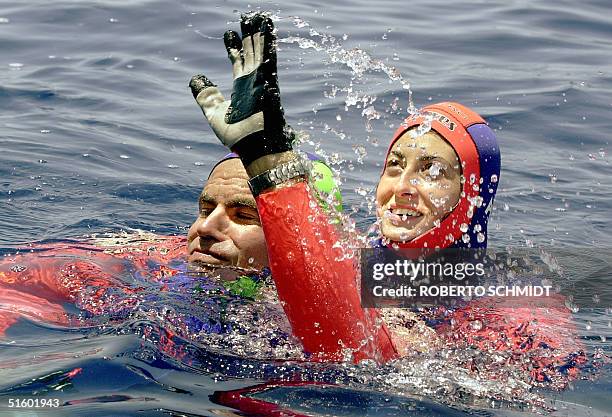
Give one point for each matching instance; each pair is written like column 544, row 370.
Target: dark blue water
column 99, row 133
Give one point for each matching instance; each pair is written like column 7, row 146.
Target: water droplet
column 466, row 238
column 480, row 237
column 361, row 191
column 42, row 161
column 493, row 178
column 338, row 117
column 172, row 166
column 434, row 170
column 198, row 163
column 4, row 20
column 464, row 227
column 18, row 268
column 553, row 178
column 113, row 20
column 251, row 260
column 476, row 325
column 361, row 152
column 45, row 131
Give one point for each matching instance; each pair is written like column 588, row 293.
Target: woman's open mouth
column 401, row 216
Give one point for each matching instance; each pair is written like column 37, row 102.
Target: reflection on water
column 108, row 319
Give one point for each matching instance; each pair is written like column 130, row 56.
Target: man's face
column 228, row 231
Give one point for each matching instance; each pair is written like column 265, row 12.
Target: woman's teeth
column 405, row 212
column 398, row 216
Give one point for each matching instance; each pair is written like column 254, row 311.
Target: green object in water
column 244, row 287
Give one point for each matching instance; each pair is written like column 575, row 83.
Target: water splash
column 358, row 61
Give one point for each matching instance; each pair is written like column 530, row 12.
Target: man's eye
column 205, row 211
column 247, row 216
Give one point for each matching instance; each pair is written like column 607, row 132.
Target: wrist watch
column 278, row 175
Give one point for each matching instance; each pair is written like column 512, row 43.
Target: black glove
column 253, row 123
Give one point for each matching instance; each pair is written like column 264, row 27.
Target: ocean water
column 99, row 133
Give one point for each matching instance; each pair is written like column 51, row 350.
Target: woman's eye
column 393, row 165
column 434, row 169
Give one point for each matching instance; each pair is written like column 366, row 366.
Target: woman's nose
column 406, row 185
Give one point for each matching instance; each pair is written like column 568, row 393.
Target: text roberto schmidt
column 439, row 279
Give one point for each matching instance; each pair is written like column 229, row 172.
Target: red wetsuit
column 36, row 285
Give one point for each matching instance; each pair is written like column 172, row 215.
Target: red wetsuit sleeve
column 316, row 284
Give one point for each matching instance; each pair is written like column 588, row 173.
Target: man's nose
column 214, row 225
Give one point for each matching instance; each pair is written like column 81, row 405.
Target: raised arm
column 316, row 284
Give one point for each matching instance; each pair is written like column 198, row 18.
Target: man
column 227, row 231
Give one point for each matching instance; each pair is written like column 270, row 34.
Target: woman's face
column 420, row 185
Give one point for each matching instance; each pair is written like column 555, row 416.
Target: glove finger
column 256, row 21
column 258, row 48
column 247, row 42
column 269, row 51
column 233, row 45
column 245, row 25
column 210, row 100
column 198, row 83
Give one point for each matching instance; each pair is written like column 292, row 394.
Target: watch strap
column 278, row 175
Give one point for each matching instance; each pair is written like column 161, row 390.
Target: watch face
column 272, row 175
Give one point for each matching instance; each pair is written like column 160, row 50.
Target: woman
column 436, row 190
